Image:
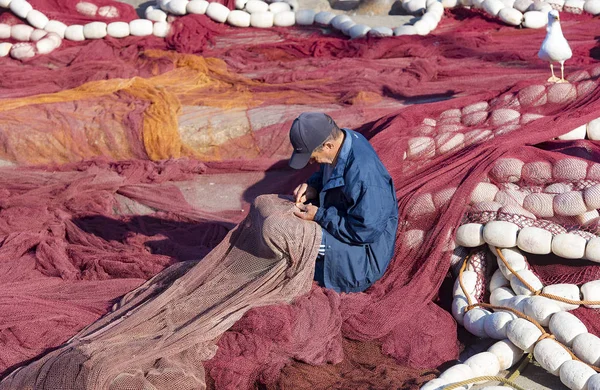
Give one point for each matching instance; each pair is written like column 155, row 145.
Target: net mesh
column 160, row 333
column 142, row 159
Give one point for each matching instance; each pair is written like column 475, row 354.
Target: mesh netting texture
column 145, row 154
column 161, row 332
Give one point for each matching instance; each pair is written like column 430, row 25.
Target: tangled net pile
column 125, row 158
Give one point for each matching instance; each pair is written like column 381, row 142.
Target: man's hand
column 305, row 211
column 304, row 192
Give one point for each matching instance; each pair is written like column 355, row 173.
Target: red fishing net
column 75, row 236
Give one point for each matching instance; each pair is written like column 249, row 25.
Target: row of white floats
column 534, row 240
column 574, row 374
column 431, row 142
column 43, row 35
column 255, row 13
column 518, row 335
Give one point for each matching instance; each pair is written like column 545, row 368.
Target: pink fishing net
column 86, row 216
column 161, row 332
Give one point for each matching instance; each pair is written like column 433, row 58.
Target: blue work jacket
column 358, row 212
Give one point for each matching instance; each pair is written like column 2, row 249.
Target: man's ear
column 329, row 145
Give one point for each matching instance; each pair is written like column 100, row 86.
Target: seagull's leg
column 553, row 79
column 562, row 73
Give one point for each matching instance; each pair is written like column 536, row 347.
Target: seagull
column 555, row 47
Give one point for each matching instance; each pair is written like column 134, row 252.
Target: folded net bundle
column 77, row 235
column 163, row 331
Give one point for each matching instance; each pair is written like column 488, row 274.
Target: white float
column 278, row 7
column 586, row 347
column 550, row 355
column 337, row 21
column 21, row 32
column 141, row 27
column 20, row 8
column 495, row 324
column 500, row 234
column 178, row 7
column 324, row 18
column 501, row 296
column 238, row 18
column 591, row 292
column 284, row 19
column 381, row 32
column 535, row 19
column 568, row 246
column 217, row 12
column 305, row 17
column 117, row 29
column 22, row 51
column 470, row 235
column 592, row 250
column 594, row 382
column 498, row 280
column 592, row 7
column 38, row 34
column 5, row 48
column 511, row 16
column 519, row 288
column 540, row 309
column 414, row 6
column 85, row 8
column 507, row 353
column 75, row 33
column 161, row 29
column 574, row 6
column 484, row 364
column 516, row 302
column 474, row 321
column 405, row 30
column 346, row 26
column 4, row 31
column 48, row 44
column 565, row 327
column 95, row 30
column 457, row 373
column 108, row 11
column 435, row 384
column 261, row 19
column 197, row 7
column 563, row 290
column 37, row 19
column 493, row 7
column 255, row 6
column 358, row 30
column 523, row 333
column 56, row 27
column 575, row 374
column 158, row 15
column 459, row 306
column 535, row 240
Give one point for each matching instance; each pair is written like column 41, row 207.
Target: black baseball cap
column 307, row 133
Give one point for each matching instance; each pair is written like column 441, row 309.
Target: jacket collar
column 337, row 175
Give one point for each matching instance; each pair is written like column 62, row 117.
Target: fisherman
column 351, row 197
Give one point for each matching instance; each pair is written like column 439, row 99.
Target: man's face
column 323, row 155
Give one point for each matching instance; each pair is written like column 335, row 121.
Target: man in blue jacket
column 352, row 197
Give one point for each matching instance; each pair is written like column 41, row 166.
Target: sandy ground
column 375, row 14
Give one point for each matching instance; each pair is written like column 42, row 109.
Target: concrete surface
column 375, row 13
